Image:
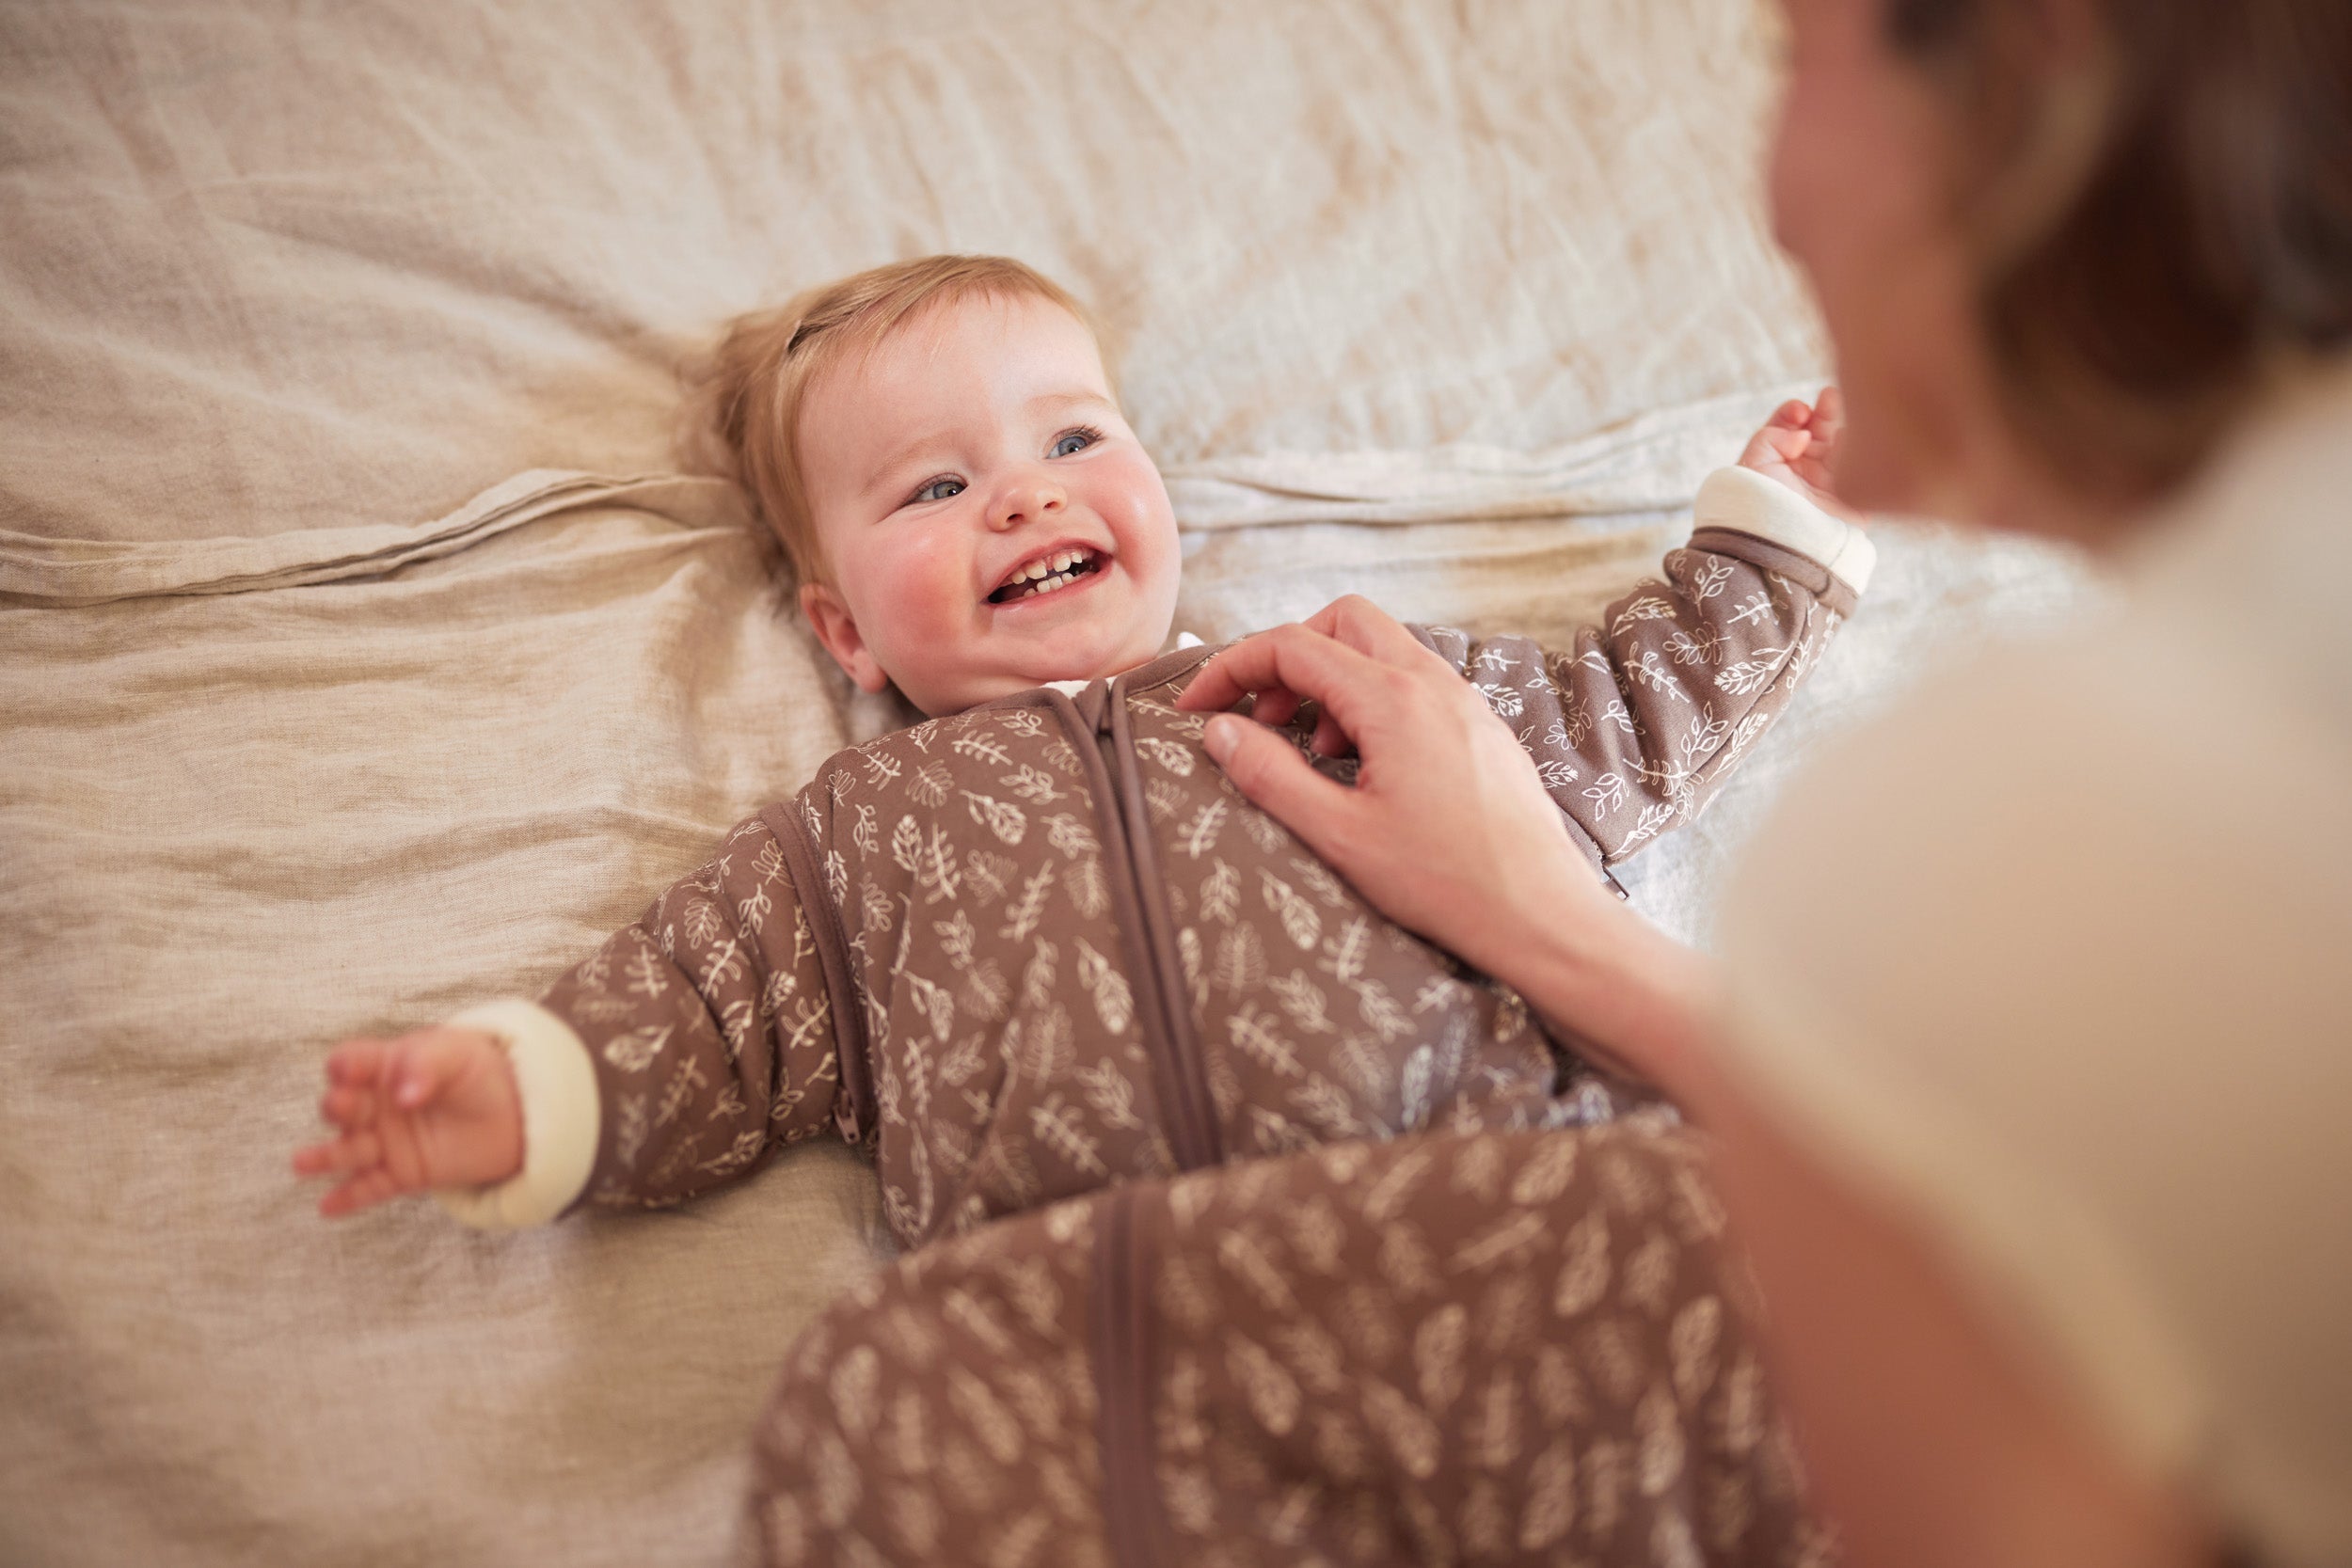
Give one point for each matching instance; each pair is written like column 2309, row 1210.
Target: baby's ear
column 837, row 629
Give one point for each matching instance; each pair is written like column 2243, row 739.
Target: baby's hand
column 435, row 1108
column 1798, row 447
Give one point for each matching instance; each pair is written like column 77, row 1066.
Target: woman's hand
column 433, row 1108
column 1447, row 828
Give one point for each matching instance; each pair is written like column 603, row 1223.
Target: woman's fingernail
column 1220, row 734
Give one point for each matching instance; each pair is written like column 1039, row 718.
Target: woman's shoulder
column 2043, row 950
column 2125, row 844
column 2155, row 783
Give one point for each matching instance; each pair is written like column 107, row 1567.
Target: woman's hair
column 744, row 395
column 2158, row 234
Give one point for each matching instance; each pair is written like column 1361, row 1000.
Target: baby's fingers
column 1829, row 417
column 363, row 1191
column 424, row 1064
column 354, row 1152
column 348, row 1107
column 357, row 1062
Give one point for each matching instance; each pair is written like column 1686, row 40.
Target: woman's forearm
column 1644, row 1003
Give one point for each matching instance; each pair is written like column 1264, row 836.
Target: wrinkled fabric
column 1496, row 1348
column 290, row 268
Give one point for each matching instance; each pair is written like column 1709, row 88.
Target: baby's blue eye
column 939, row 490
column 1075, row 440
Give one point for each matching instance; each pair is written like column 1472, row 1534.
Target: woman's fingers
column 1269, row 770
column 1254, row 666
column 1330, row 740
column 1251, row 668
column 1294, row 659
column 1357, row 622
column 1275, row 708
column 1350, row 658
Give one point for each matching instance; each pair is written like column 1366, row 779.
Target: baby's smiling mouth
column 1049, row 573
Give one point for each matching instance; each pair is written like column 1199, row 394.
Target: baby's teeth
column 1058, row 570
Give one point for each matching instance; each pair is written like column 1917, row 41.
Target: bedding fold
column 1652, row 462
column 70, row 572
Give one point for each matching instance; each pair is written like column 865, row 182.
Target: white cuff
column 1745, row 501
column 557, row 1080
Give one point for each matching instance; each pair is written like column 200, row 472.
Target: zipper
column 1120, row 1340
column 1187, row 1109
column 1193, row 1108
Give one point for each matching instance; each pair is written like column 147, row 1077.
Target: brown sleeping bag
column 1491, row 1348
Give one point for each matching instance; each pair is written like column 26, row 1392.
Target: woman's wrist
column 1640, row 1000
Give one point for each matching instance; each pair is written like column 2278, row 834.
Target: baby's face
column 989, row 520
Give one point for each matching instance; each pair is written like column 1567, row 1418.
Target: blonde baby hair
column 746, row 393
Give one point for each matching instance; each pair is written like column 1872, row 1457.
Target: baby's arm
column 674, row 1058
column 1635, row 729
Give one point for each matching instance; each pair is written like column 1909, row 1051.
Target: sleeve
column 1637, row 726
column 678, row 1054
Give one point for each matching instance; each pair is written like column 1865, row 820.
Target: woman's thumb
column 1271, row 773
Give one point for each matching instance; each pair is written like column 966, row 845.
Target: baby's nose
column 1025, row 503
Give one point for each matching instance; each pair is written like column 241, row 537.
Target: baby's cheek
column 1138, row 509
column 920, row 597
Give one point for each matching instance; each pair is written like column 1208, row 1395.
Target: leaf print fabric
column 710, row 1027
column 1045, row 947
column 1634, row 730
column 1368, row 1354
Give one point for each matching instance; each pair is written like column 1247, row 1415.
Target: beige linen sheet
column 1447, row 301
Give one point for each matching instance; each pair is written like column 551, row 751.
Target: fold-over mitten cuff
column 557, row 1082
column 1745, row 501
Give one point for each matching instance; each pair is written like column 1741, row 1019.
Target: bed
column 365, row 651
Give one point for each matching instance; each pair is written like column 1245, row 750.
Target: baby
column 1038, row 945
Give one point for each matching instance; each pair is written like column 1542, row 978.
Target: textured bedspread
column 338, row 691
